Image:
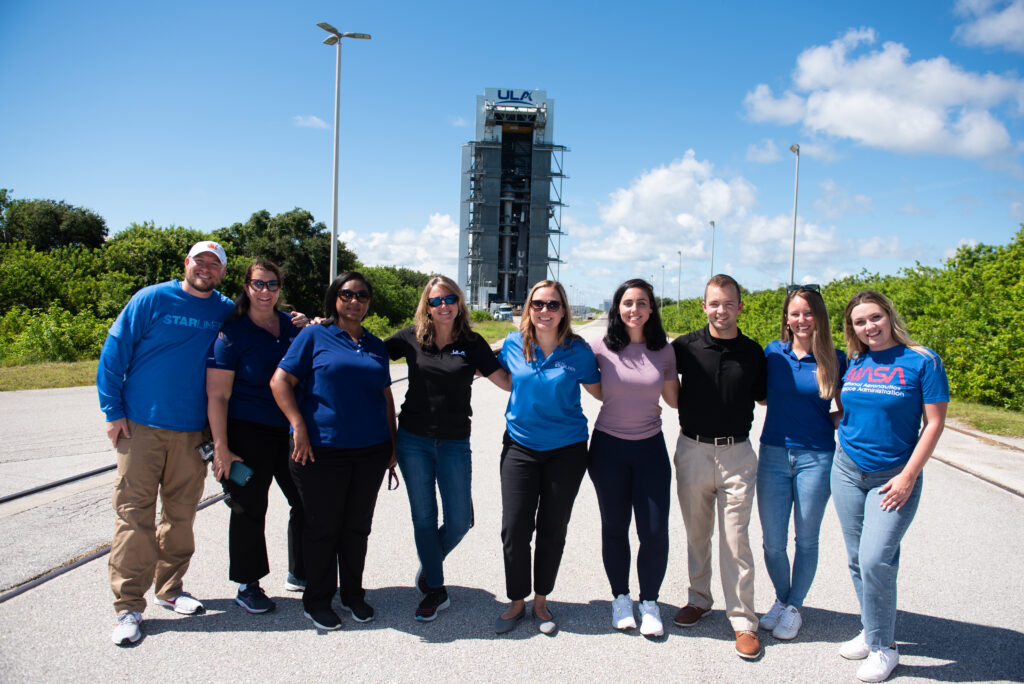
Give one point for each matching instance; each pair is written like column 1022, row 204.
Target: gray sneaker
column 127, row 630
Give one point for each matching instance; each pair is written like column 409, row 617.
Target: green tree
column 293, row 241
column 48, row 224
column 149, row 254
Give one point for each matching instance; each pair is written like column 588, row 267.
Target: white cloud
column 910, row 209
column 992, row 24
column 763, row 152
column 836, row 202
column 964, row 242
column 431, row 249
column 308, row 121
column 457, row 121
column 881, row 98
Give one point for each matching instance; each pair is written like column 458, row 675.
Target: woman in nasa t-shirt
column 890, row 385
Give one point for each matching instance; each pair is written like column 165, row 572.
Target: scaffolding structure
column 511, row 218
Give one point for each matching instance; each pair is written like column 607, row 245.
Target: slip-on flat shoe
column 503, row 625
column 546, row 626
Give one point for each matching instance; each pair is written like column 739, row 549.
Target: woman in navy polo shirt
column 545, row 448
column 797, row 445
column 444, row 355
column 895, row 394
column 247, row 426
column 334, row 386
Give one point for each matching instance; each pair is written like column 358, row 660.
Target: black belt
column 717, row 441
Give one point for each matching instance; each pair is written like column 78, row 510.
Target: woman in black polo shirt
column 444, row 355
column 248, row 426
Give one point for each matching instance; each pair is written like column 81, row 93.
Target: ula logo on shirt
column 459, row 352
column 881, row 375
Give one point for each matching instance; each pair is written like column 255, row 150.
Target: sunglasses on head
column 349, row 295
column 271, row 285
column 813, row 287
column 550, row 305
column 438, row 301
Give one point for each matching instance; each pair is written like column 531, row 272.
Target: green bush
column 479, row 315
column 32, row 335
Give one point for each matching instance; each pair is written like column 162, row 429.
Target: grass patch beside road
column 48, row 375
column 492, row 331
column 994, row 421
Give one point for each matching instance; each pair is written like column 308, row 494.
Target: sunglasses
column 260, row 285
column 813, row 287
column 438, row 301
column 349, row 295
column 550, row 305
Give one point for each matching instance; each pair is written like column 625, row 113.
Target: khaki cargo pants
column 154, row 461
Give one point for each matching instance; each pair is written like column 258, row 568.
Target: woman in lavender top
column 628, row 462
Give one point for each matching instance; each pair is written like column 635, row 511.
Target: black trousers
column 538, row 489
column 265, row 449
column 632, row 476
column 339, row 493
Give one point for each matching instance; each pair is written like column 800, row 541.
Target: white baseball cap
column 209, row 246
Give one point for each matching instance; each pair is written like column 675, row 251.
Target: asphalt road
column 961, row 587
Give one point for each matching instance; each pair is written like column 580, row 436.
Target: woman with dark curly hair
column 334, row 386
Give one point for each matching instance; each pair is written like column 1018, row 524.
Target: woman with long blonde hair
column 443, row 355
column 895, row 395
column 544, row 454
column 804, row 371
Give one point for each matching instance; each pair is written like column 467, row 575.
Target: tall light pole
column 335, row 39
column 662, row 288
column 679, row 279
column 795, row 149
column 712, row 224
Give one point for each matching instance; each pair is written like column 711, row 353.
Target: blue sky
column 910, row 118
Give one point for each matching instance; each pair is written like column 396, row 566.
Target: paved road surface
column 961, row 585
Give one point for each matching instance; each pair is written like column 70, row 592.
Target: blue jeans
column 797, row 481
column 447, row 462
column 872, row 542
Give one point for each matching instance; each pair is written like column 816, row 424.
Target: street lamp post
column 662, row 308
column 795, row 149
column 679, row 279
column 335, row 39
column 712, row 224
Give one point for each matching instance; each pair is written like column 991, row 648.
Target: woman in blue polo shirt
column 444, row 356
column 545, row 448
column 247, row 426
column 334, row 386
column 895, row 394
column 797, row 445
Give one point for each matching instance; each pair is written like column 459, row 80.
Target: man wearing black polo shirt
column 722, row 375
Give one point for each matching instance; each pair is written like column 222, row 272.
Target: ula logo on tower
column 510, row 97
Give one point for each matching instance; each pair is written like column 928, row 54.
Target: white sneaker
column 856, row 648
column 789, row 624
column 771, row 618
column 622, row 613
column 183, row 603
column 879, row 665
column 650, row 619
column 127, row 629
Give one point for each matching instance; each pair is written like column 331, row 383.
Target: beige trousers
column 143, row 554
column 722, row 478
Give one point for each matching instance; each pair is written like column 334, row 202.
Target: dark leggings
column 632, row 476
column 538, row 489
column 339, row 493
column 264, row 449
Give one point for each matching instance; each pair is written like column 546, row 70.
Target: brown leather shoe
column 747, row 644
column 687, row 616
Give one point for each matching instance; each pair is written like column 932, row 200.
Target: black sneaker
column 436, row 600
column 324, row 618
column 254, row 599
column 360, row 609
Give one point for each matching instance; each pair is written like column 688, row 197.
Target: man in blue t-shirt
column 152, row 388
